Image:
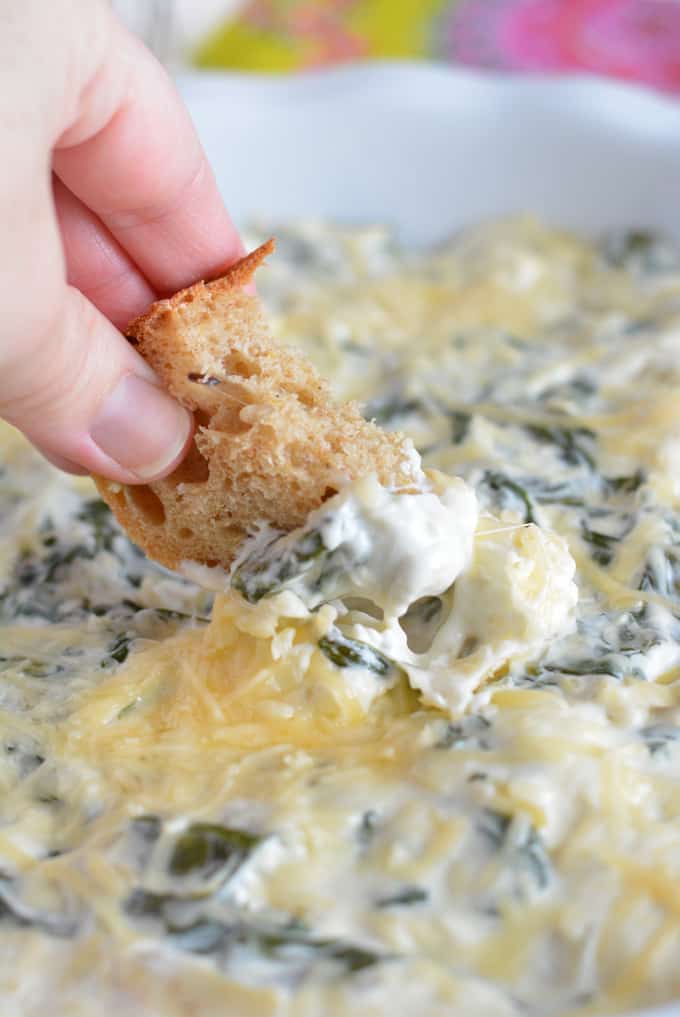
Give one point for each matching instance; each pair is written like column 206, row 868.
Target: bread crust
column 271, row 443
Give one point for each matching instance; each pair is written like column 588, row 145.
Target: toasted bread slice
column 271, row 444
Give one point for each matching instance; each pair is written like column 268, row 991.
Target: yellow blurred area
column 280, row 35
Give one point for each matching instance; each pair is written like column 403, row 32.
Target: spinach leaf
column 603, row 545
column 345, row 652
column 97, row 514
column 626, row 484
column 117, row 651
column 616, row 643
column 493, row 826
column 290, row 948
column 532, row 855
column 460, row 426
column 208, row 849
column 660, row 737
column 405, row 897
column 267, row 570
column 640, row 251
column 661, row 573
column 506, row 493
column 527, row 853
column 368, row 826
column 468, row 732
column 572, row 442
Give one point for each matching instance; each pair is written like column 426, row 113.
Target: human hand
column 107, row 202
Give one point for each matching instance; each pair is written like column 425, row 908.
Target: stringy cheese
column 482, row 820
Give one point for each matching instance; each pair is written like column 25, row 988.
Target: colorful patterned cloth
column 633, row 39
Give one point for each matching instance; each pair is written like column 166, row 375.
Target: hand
column 107, row 202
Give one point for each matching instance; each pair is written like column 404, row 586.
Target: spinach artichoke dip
column 420, row 756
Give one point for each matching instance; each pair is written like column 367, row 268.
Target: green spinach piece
column 659, row 737
column 267, row 570
column 661, row 573
column 405, row 897
column 507, row 493
column 460, row 426
column 368, row 826
column 527, row 854
column 468, row 732
column 494, row 826
column 290, row 947
column 97, row 514
column 640, row 251
column 345, row 652
column 603, row 545
column 626, row 484
column 117, row 651
column 208, row 849
column 572, row 442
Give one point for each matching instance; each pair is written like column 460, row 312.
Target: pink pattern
column 634, row 39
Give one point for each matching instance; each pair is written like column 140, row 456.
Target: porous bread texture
column 271, row 444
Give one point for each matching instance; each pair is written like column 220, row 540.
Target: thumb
column 80, row 392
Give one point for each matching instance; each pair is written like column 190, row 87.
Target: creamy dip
column 420, row 756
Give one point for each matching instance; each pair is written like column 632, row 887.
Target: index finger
column 134, row 158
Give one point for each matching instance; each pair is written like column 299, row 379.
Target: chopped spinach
column 659, row 737
column 267, row 570
column 505, row 493
column 661, row 573
column 99, row 517
column 345, row 652
column 460, row 426
column 574, row 443
column 532, row 855
column 577, row 388
column 26, row 756
column 493, row 826
column 284, row 944
column 290, row 947
column 404, row 897
column 640, row 251
column 626, row 484
column 208, row 849
column 367, row 826
column 526, row 853
column 117, row 651
column 613, row 644
column 469, row 732
column 603, row 545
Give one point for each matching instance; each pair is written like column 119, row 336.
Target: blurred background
column 637, row 40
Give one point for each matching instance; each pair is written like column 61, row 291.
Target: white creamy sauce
column 420, row 756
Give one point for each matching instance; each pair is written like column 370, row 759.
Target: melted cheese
column 442, row 778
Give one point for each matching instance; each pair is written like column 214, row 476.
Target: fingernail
column 141, row 427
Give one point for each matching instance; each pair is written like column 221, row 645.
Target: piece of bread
column 270, row 443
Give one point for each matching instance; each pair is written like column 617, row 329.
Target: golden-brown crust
column 270, row 443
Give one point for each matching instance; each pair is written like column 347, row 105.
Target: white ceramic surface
column 430, row 149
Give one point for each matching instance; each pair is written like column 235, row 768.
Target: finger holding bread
column 271, row 444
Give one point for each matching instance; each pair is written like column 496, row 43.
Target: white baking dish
column 430, row 149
